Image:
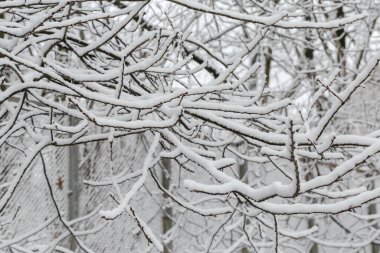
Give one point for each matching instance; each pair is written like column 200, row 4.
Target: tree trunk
column 167, row 214
column 243, row 168
column 74, row 186
column 1, row 33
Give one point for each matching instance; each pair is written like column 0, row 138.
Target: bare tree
column 241, row 104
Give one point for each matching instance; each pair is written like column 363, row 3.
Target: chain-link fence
column 32, row 207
